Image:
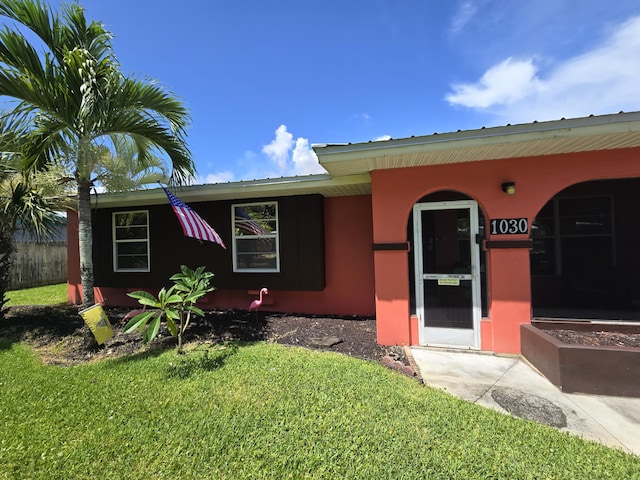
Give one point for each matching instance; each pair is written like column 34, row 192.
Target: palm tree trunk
column 85, row 242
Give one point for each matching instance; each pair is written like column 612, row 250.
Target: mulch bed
column 60, row 336
column 597, row 338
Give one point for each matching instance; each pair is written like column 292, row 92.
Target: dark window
column 573, row 235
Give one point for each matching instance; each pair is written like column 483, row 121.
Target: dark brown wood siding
column 301, row 237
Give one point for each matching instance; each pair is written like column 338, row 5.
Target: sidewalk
column 510, row 385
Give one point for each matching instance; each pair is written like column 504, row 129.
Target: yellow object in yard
column 98, row 323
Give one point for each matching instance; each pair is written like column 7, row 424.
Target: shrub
column 176, row 305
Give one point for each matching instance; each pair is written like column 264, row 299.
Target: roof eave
column 323, row 184
column 339, row 158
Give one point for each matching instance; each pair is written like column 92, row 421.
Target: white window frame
column 117, row 242
column 237, row 238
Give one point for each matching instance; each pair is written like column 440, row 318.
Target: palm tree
column 31, row 199
column 76, row 101
column 28, row 199
column 120, row 171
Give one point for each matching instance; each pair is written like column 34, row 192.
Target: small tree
column 176, row 305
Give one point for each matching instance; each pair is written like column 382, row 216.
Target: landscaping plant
column 176, row 305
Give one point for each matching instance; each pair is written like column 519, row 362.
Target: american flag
column 246, row 223
column 193, row 225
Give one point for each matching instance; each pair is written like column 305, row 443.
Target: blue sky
column 264, row 80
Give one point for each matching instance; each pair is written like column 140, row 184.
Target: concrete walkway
column 510, row 385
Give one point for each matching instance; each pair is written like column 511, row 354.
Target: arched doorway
column 585, row 261
column 447, row 269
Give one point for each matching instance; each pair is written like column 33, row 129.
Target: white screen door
column 447, row 260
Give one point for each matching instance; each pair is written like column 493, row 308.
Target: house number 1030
column 509, row 226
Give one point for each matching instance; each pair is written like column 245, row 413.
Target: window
column 255, row 237
column 131, row 241
column 572, row 235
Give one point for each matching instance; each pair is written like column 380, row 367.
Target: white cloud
column 219, row 177
column 602, row 80
column 278, row 149
column 505, row 83
column 465, row 13
column 290, row 159
column 304, row 159
column 382, row 138
column 362, row 116
column 283, row 156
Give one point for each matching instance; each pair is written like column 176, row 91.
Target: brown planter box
column 583, row 368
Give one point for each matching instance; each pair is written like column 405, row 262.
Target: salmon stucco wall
column 395, row 191
column 349, row 269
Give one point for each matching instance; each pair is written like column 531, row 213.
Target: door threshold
column 450, row 347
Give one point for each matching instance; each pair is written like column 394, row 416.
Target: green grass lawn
column 48, row 295
column 266, row 411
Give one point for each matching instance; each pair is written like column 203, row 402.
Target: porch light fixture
column 509, row 188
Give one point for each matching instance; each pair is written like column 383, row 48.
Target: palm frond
column 28, row 198
column 18, row 54
column 123, row 170
column 34, row 212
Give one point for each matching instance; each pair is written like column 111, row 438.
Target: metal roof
column 58, row 235
column 602, row 132
column 322, row 184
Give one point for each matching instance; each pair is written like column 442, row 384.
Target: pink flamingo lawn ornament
column 133, row 313
column 256, row 304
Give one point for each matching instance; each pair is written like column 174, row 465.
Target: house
column 451, row 239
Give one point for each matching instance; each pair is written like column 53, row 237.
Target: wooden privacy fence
column 36, row 264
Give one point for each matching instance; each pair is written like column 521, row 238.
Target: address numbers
column 509, row 226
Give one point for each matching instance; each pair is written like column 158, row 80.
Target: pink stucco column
column 510, row 303
column 392, row 297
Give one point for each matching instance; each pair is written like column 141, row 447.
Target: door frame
column 423, row 331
